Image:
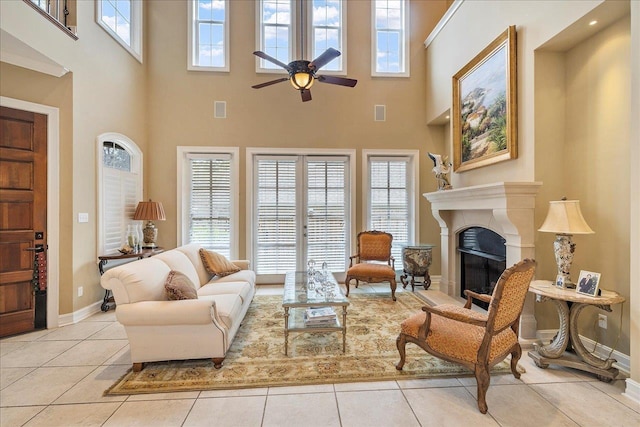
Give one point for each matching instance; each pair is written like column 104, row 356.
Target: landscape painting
column 484, row 106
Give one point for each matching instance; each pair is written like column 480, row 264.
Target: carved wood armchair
column 475, row 340
column 373, row 246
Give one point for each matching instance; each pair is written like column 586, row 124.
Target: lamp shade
column 302, row 80
column 565, row 217
column 152, row 211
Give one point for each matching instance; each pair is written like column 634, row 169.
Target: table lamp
column 565, row 219
column 149, row 211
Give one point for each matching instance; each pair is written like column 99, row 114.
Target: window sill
column 53, row 20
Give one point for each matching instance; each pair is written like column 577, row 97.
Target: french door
column 301, row 212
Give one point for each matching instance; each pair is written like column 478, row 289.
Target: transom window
column 122, row 20
column 208, row 35
column 282, row 23
column 390, row 39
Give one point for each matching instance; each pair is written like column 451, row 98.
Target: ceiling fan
column 302, row 73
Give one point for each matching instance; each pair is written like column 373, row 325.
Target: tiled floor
column 57, row 377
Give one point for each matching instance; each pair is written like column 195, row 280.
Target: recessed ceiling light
column 594, row 22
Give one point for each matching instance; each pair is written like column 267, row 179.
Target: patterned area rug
column 256, row 357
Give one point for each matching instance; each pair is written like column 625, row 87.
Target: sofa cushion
column 216, row 264
column 192, row 251
column 228, row 307
column 178, row 261
column 178, row 286
column 241, row 276
column 243, row 289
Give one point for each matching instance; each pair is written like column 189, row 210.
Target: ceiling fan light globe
column 302, row 80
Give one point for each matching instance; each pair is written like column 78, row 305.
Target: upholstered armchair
column 475, row 340
column 374, row 248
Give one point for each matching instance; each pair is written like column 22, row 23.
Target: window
column 122, row 20
column 301, row 210
column 390, row 38
column 208, row 211
column 281, row 24
column 119, row 189
column 208, row 35
column 390, row 196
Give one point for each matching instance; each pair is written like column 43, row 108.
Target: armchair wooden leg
column 346, row 284
column 483, row 380
column 393, row 288
column 515, row 357
column 401, row 343
column 217, row 362
column 137, row 367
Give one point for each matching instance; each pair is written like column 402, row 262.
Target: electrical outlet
column 80, row 291
column 602, row 321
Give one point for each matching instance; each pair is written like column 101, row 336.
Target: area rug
column 256, row 357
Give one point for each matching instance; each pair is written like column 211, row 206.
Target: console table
column 108, row 302
column 569, row 305
column 416, row 260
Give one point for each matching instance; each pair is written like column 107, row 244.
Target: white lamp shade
column 565, row 217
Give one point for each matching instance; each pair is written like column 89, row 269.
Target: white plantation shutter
column 389, row 201
column 276, row 219
column 121, row 192
column 327, row 202
column 210, row 202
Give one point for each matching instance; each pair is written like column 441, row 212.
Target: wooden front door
column 23, row 213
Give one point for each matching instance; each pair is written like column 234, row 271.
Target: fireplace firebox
column 483, row 258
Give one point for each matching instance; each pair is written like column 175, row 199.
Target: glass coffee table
column 299, row 295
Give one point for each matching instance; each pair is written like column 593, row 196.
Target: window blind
column 210, row 202
column 121, row 193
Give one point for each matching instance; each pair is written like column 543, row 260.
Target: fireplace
column 506, row 209
column 483, row 258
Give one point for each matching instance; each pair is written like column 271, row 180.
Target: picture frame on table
column 560, row 282
column 485, row 128
column 588, row 283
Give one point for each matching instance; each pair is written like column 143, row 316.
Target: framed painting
column 485, row 128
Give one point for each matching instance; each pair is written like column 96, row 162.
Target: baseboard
column 632, row 390
column 76, row 316
column 623, row 361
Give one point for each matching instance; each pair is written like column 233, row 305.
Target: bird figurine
column 441, row 168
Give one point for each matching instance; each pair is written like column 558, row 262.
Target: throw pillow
column 178, row 286
column 217, row 264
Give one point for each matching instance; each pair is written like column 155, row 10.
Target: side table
column 557, row 351
column 108, row 302
column 416, row 261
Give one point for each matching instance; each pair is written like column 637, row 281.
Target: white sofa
column 159, row 329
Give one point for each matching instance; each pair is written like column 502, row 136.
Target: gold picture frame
column 485, row 128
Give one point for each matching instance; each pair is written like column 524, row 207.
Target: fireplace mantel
column 504, row 207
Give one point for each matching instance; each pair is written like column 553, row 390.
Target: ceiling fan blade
column 334, row 80
column 269, row 83
column 324, row 58
column 271, row 59
column 306, row 95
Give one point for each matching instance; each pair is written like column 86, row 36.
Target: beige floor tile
column 227, row 411
column 91, row 388
column 372, row 385
column 269, row 290
column 19, row 415
column 31, row 336
column 308, row 410
column 7, row 347
column 429, row 383
column 122, row 357
column 78, row 331
column 115, row 331
column 449, row 406
column 89, row 353
column 87, row 415
column 160, row 413
column 320, row 388
column 582, row 402
column 102, row 316
column 263, row 391
column 35, row 353
column 552, row 374
column 10, row 375
column 502, row 379
column 616, row 390
column 165, row 396
column 502, row 399
column 375, row 408
column 42, row 386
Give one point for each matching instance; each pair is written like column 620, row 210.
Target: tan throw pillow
column 178, row 286
column 217, row 264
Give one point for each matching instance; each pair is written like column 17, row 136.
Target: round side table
column 416, row 260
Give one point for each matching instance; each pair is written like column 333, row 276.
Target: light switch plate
column 83, row 217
